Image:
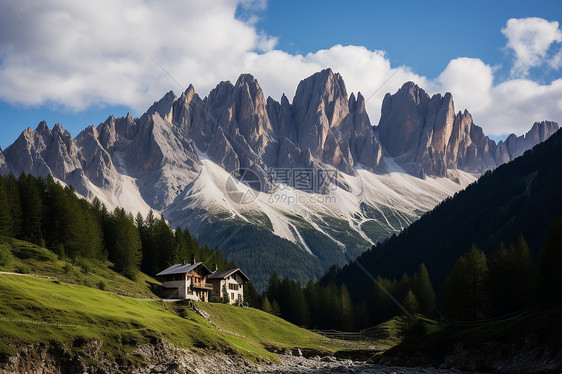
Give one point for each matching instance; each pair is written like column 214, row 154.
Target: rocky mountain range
column 176, row 159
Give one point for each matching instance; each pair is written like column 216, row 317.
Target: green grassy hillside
column 23, row 257
column 69, row 308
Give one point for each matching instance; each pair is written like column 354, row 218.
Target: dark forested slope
column 518, row 198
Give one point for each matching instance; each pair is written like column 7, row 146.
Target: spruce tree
column 14, row 205
column 164, row 244
column 6, row 223
column 275, row 309
column 465, row 293
column 251, row 296
column 32, row 209
column 266, row 306
column 347, row 321
column 512, row 278
column 550, row 265
column 423, row 290
column 410, row 302
column 123, row 242
column 149, row 263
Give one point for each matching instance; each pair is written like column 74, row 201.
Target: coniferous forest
column 43, row 212
column 478, row 287
column 497, row 273
column 491, row 250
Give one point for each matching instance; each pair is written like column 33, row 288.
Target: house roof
column 221, row 274
column 182, row 269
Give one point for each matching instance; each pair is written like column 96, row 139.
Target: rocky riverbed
column 288, row 364
column 163, row 357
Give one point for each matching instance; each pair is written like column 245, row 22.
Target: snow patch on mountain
column 395, row 191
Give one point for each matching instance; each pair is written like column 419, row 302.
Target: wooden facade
column 196, row 282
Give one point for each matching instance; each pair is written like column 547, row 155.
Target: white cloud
column 530, row 39
column 517, row 104
column 99, row 52
column 508, row 107
column 79, row 56
column 470, row 81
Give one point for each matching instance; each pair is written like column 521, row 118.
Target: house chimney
column 215, row 268
column 192, row 259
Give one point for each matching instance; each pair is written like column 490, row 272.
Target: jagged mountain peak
column 177, row 156
column 540, row 131
column 411, row 90
column 247, row 79
column 190, row 90
column 60, row 130
column 164, row 106
column 426, row 137
column 42, row 127
column 324, row 85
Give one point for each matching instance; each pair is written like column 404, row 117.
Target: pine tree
column 423, row 290
column 465, row 294
column 123, row 242
column 379, row 305
column 550, row 265
column 512, row 278
column 410, row 302
column 347, row 321
column 313, row 296
column 32, row 209
column 251, row 296
column 149, row 247
column 275, row 309
column 6, row 223
column 165, row 244
column 181, row 246
column 14, row 205
column 266, row 306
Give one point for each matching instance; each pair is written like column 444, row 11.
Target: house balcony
column 202, row 285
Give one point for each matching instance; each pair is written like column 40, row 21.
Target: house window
column 233, row 286
column 232, row 296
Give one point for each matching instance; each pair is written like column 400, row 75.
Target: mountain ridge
column 518, row 198
column 172, row 157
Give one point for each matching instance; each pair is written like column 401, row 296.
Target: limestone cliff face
column 333, row 126
column 426, row 137
column 237, row 127
column 170, row 158
column 539, row 132
column 44, row 151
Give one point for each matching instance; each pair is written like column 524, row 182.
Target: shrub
column 101, row 285
column 67, row 268
column 85, row 268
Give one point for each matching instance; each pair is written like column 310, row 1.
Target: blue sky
column 78, row 64
column 425, row 35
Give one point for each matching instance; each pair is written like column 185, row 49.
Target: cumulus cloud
column 470, row 81
column 80, row 54
column 104, row 52
column 507, row 107
column 530, row 39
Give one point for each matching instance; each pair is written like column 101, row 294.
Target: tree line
column 507, row 281
column 43, row 212
column 330, row 306
column 477, row 287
